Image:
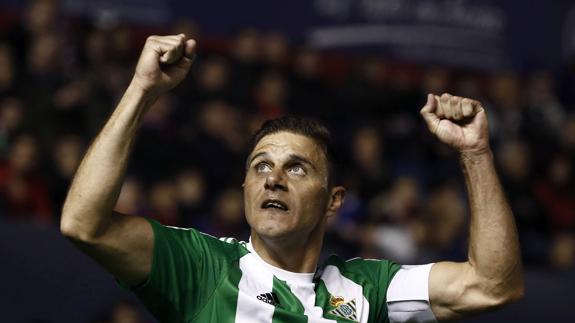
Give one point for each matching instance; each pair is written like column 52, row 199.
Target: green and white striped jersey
column 198, row 278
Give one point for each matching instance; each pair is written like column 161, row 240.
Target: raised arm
column 122, row 243
column 493, row 274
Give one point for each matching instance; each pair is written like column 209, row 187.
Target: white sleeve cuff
column 408, row 295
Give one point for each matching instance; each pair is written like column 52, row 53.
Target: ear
column 337, row 195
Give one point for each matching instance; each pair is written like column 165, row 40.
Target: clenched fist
column 458, row 122
column 164, row 62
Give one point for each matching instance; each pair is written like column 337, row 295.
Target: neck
column 295, row 255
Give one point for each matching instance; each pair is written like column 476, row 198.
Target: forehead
column 288, row 143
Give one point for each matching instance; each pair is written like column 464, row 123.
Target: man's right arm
column 122, row 243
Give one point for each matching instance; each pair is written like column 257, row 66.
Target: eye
column 263, row 167
column 297, row 169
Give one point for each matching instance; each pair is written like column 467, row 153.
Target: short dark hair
column 308, row 127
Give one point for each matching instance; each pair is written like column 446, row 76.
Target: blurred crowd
column 61, row 76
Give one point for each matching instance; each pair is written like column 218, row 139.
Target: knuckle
column 170, row 49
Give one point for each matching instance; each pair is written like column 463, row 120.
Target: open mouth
column 274, row 204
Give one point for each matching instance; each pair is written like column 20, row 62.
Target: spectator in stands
column 516, row 167
column 440, row 232
column 11, row 119
column 227, row 217
column 368, row 162
column 507, row 106
column 275, row 51
column 309, row 93
column 23, row 191
column 163, row 203
column 211, row 82
column 556, row 192
column 66, row 152
column 271, row 95
column 246, row 65
column 132, row 197
column 192, row 199
column 544, row 113
column 8, row 70
column 219, row 143
column 395, row 216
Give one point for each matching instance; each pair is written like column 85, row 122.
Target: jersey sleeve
column 408, row 295
column 186, row 267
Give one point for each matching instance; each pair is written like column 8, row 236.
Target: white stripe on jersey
column 338, row 285
column 255, row 280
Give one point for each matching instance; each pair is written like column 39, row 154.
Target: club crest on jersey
column 336, row 301
column 343, row 309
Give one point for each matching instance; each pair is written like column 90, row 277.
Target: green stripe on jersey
column 322, row 298
column 290, row 309
column 222, row 303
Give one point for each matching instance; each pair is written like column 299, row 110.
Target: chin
column 272, row 231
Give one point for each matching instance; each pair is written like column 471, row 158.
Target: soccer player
column 182, row 275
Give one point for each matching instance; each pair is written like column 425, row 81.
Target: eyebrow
column 260, row 154
column 303, row 160
column 292, row 158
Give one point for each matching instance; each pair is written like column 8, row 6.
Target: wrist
column 146, row 93
column 138, row 99
column 476, row 155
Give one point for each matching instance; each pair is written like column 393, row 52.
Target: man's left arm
column 493, row 274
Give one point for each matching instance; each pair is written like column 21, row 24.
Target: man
column 184, row 276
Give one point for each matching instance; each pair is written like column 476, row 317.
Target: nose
column 275, row 181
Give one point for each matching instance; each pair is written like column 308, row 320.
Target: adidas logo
column 270, row 298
